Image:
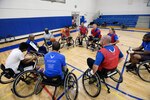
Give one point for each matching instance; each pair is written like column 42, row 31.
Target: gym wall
column 20, row 17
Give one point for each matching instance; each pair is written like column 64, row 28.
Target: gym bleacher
column 118, row 20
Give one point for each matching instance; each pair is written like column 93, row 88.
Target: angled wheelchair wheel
column 72, row 42
column 4, row 79
column 91, row 82
column 116, row 76
column 39, row 87
column 71, row 86
column 62, row 42
column 25, row 82
column 143, row 71
column 77, row 41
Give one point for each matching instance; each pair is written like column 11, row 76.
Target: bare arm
column 95, row 68
column 138, row 48
column 28, row 60
column 145, row 52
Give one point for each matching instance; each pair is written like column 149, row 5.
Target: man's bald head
column 105, row 40
column 31, row 37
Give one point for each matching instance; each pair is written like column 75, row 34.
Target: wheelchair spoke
column 24, row 84
column 144, row 71
column 91, row 83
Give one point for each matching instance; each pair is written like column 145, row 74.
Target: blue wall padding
column 22, row 26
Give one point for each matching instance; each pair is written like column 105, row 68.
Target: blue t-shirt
column 54, row 63
column 30, row 47
column 100, row 57
column 146, row 45
column 115, row 37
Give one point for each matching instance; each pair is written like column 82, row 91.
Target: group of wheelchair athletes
column 107, row 58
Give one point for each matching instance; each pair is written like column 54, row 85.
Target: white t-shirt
column 48, row 36
column 14, row 59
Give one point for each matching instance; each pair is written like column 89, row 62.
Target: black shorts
column 144, row 57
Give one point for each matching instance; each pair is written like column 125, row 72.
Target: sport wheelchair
column 143, row 70
column 48, row 46
column 85, row 39
column 32, row 82
column 93, row 82
column 8, row 75
column 63, row 42
column 93, row 43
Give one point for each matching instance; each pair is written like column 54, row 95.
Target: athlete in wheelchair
column 94, row 38
column 16, row 63
column 48, row 39
column 82, row 36
column 140, row 56
column 55, row 74
column 66, row 39
column 34, row 47
column 105, row 66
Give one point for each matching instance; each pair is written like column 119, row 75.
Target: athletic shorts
column 145, row 57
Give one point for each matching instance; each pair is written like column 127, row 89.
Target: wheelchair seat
column 52, row 81
column 105, row 73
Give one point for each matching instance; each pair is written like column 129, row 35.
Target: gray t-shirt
column 48, row 36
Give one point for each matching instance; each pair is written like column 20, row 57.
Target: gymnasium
column 74, row 49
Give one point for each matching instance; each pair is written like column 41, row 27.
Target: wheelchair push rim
column 117, row 77
column 4, row 79
column 143, row 71
column 62, row 42
column 25, row 82
column 71, row 87
column 95, row 85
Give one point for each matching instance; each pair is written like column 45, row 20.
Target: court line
column 37, row 40
column 117, row 86
column 127, row 94
column 49, row 93
column 76, row 68
column 64, row 92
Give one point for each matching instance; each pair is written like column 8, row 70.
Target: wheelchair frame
column 85, row 38
column 137, row 71
column 63, row 42
column 39, row 85
column 98, row 82
column 98, row 46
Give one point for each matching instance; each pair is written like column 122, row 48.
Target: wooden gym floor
column 132, row 87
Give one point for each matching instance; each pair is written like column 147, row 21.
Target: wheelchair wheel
column 4, row 79
column 143, row 71
column 91, row 82
column 116, row 76
column 62, row 42
column 71, row 86
column 72, row 42
column 77, row 41
column 39, row 87
column 25, row 82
